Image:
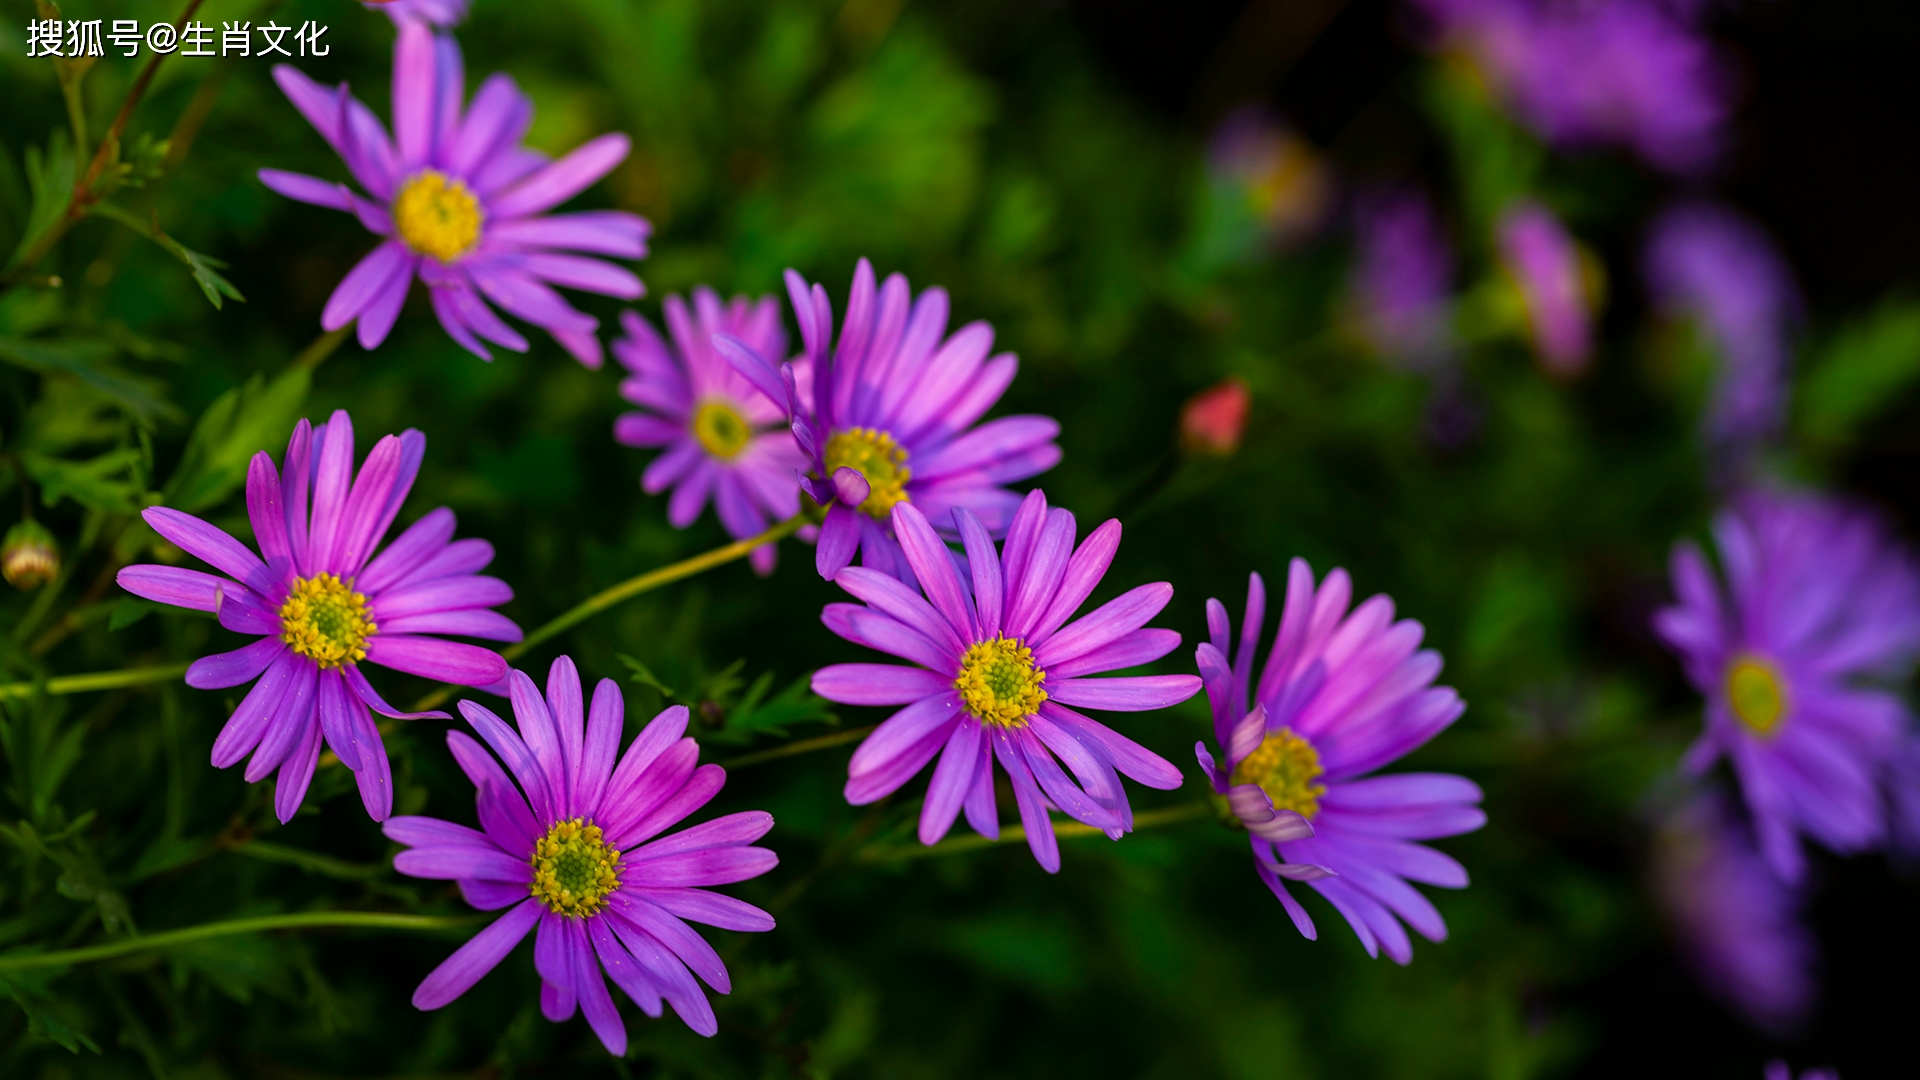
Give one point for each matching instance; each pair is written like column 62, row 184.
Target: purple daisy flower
column 724, row 439
column 572, row 849
column 891, row 418
column 431, row 12
column 1620, row 72
column 1401, row 278
column 1738, row 924
column 1709, row 263
column 460, row 203
column 1796, row 658
column 1000, row 671
column 1545, row 264
column 323, row 602
column 1341, row 695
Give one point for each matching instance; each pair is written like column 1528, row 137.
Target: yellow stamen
column 1284, row 765
column 437, row 216
column 1757, row 694
column 999, row 683
column 721, row 429
column 874, row 455
column 326, row 621
column 574, row 869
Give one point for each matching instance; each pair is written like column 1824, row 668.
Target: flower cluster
column 875, row 440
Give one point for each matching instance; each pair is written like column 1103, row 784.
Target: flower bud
column 29, row 557
column 1212, row 420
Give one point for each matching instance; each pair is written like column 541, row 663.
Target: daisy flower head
column 889, row 417
column 1001, row 673
column 1556, row 282
column 1710, row 264
column 1342, row 694
column 460, row 204
column 323, row 603
column 724, row 439
column 431, row 12
column 570, row 841
column 1798, row 656
column 1737, row 924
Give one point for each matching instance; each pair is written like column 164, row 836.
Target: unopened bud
column 29, row 557
column 1212, row 420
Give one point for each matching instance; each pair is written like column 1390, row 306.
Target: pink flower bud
column 1212, row 420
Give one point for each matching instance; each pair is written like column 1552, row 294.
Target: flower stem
column 171, row 938
column 626, row 590
column 99, row 680
column 322, row 347
column 803, row 746
column 1170, row 815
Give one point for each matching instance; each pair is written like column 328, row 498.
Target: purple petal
column 336, row 721
column 193, row 589
column 605, row 720
column 1127, row 694
column 710, row 866
column 952, row 780
column 563, row 179
column 222, row 670
column 478, row 956
column 1033, row 809
column 877, row 684
column 603, row 232
column 420, row 542
column 209, row 545
column 713, row 909
column 296, row 772
column 503, row 811
column 385, row 269
column 699, row 789
column 1108, row 623
column 244, row 729
column 902, row 730
column 441, row 661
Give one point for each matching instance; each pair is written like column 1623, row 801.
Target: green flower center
column 999, row 683
column 1757, row 694
column 437, row 216
column 721, row 429
column 874, row 455
column 1284, row 765
column 326, row 621
column 574, row 869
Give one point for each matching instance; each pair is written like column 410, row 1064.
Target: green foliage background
column 980, row 147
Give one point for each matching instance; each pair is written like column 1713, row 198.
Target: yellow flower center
column 1757, row 695
column 437, row 216
column 574, row 869
column 326, row 621
column 721, row 429
column 999, row 683
column 874, row 455
column 1284, row 765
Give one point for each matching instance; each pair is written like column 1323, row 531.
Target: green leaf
column 1864, row 368
column 44, row 1021
column 205, row 268
column 129, row 611
column 239, row 424
column 50, row 180
column 644, row 675
column 109, row 482
column 756, row 714
column 86, row 360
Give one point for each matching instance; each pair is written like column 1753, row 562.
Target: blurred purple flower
column 1621, row 72
column 1779, row 1070
column 1708, row 263
column 1796, row 658
column 460, row 204
column 431, row 12
column 1544, row 261
column 565, row 845
column 724, row 439
column 889, row 415
column 322, row 602
column 1341, row 695
column 1401, row 277
column 999, row 667
column 1737, row 923
column 1278, row 175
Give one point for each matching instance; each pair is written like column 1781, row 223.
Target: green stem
column 297, row 921
column 804, row 746
column 322, row 347
column 99, row 680
column 626, row 590
column 1016, row 834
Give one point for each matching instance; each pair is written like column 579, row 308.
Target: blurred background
column 1148, row 202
